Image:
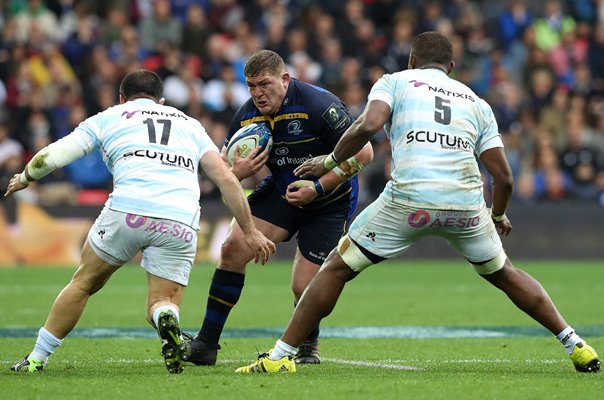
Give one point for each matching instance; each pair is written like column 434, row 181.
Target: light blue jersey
column 438, row 127
column 153, row 152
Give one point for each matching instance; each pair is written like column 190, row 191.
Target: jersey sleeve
column 335, row 118
column 383, row 90
column 86, row 134
column 489, row 137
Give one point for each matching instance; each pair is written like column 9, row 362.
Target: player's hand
column 245, row 167
column 312, row 168
column 504, row 227
column 261, row 246
column 301, row 192
column 14, row 185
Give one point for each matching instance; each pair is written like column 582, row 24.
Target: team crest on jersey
column 336, row 118
column 294, row 127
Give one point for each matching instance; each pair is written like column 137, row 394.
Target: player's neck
column 434, row 66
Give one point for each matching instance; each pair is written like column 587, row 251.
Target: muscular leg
column 68, row 307
column 319, row 299
column 90, row 277
column 162, row 292
column 303, row 272
column 228, row 279
column 528, row 295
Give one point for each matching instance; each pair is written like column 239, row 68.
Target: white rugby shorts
column 168, row 246
column 388, row 229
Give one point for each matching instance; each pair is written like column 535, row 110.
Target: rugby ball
column 248, row 138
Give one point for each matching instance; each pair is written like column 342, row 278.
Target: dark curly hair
column 432, row 47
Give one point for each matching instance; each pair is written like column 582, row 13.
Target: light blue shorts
column 168, row 246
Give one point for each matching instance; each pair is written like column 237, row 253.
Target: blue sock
column 225, row 291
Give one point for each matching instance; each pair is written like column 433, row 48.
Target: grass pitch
column 407, row 329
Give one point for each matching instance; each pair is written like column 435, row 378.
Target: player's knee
column 352, row 255
column 298, row 288
column 491, row 266
column 234, row 254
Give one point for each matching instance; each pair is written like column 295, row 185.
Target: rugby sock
column 569, row 339
column 225, row 291
column 46, row 343
column 167, row 307
column 281, row 350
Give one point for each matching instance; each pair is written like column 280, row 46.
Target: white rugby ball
column 248, row 138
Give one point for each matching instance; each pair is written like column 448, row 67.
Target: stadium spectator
column 154, row 210
column 435, row 191
column 195, row 31
column 11, row 162
column 161, row 29
column 35, row 21
column 304, row 120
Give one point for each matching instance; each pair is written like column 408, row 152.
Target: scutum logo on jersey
column 171, row 160
column 418, row 219
column 446, row 141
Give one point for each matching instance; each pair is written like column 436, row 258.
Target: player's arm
column 373, row 118
column 304, row 191
column 245, row 167
column 55, row 155
column 217, row 171
column 497, row 165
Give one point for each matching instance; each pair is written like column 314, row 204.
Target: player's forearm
column 353, row 140
column 235, row 200
column 55, row 155
column 502, row 194
column 348, row 168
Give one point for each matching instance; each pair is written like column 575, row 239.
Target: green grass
column 405, row 293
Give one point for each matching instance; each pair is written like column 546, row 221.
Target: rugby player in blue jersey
column 305, row 121
column 154, row 153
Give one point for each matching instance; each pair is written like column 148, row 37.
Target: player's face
column 268, row 91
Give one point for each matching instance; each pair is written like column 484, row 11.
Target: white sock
column 569, row 339
column 167, row 307
column 281, row 350
column 46, row 343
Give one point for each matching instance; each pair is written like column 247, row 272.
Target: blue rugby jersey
column 309, row 123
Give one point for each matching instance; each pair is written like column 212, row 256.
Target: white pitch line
column 373, row 364
column 390, row 364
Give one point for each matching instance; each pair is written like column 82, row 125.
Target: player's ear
column 122, row 99
column 162, row 101
column 285, row 78
column 450, row 67
column 412, row 61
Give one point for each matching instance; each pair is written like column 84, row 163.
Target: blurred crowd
column 539, row 63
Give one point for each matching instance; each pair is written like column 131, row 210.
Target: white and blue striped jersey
column 153, row 152
column 437, row 128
